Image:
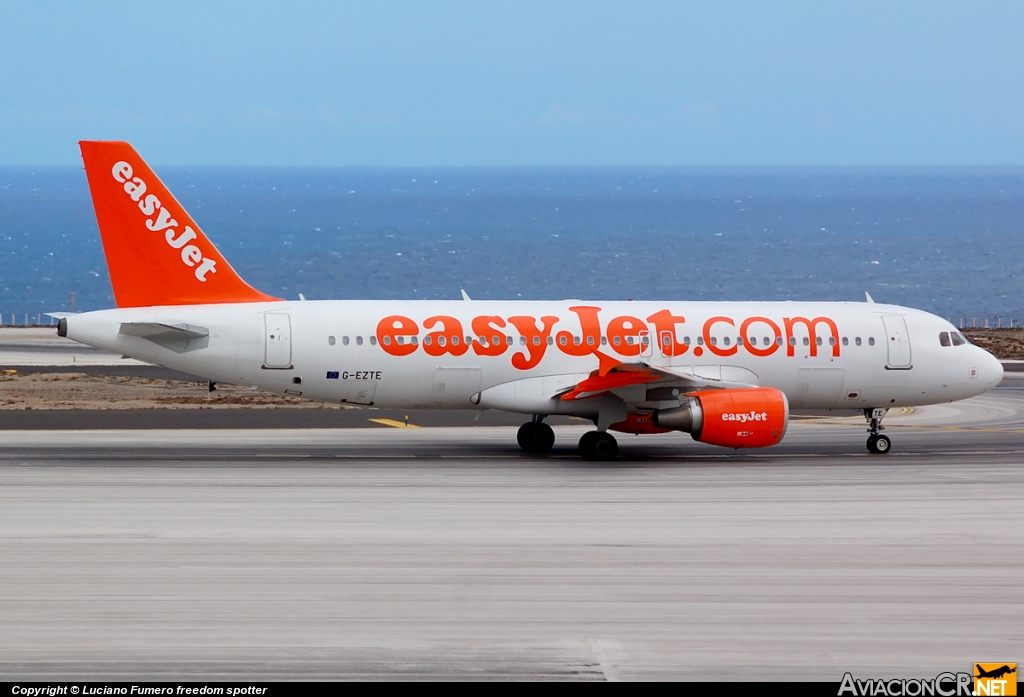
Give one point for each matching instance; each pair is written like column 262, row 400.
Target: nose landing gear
column 877, row 443
column 535, row 436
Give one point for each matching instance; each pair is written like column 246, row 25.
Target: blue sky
column 517, row 83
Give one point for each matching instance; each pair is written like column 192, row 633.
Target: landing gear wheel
column 535, row 437
column 595, row 445
column 879, row 445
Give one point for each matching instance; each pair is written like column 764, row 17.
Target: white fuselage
column 844, row 356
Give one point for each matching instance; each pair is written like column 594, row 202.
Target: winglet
column 465, row 295
column 156, row 254
column 868, row 297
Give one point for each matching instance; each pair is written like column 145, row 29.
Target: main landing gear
column 535, row 436
column 877, row 443
column 598, row 445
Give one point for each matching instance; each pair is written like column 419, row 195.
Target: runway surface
column 447, row 553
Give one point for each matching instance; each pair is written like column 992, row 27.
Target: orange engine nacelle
column 747, row 418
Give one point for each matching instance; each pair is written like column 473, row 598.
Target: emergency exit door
column 278, row 341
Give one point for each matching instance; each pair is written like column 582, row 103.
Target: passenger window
column 846, row 341
column 455, row 341
column 536, row 341
column 714, row 341
column 441, row 341
column 792, row 341
column 496, row 340
column 387, row 340
column 359, row 340
column 469, row 341
column 958, row 339
column 427, row 341
column 562, row 341
column 807, row 341
column 871, row 341
column 344, row 341
column 330, row 341
column 508, row 340
column 576, row 340
column 415, row 340
column 831, row 341
column 752, row 341
column 617, row 340
column 725, row 341
column 817, row 340
column 857, row 341
column 700, row 341
column 944, row 339
column 686, row 341
column 590, row 341
column 604, row 341
column 551, row 341
column 522, row 341
column 739, row 341
column 373, row 341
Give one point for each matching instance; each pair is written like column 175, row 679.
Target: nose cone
column 990, row 371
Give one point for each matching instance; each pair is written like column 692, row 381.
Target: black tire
column 544, row 438
column 882, row 445
column 535, row 437
column 606, row 447
column 879, row 445
column 595, row 445
column 587, row 445
column 527, row 436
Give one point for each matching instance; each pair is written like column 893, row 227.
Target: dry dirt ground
column 78, row 391
column 1004, row 344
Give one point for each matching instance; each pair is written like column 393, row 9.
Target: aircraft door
column 897, row 339
column 278, row 336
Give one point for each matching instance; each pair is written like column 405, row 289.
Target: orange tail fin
column 156, row 254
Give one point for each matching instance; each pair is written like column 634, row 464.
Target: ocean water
column 950, row 241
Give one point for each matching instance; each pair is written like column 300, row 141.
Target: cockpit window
column 958, row 338
column 944, row 339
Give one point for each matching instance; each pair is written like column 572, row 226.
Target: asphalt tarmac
column 447, row 553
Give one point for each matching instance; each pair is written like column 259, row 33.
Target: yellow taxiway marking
column 392, row 422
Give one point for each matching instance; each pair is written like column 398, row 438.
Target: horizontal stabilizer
column 179, row 338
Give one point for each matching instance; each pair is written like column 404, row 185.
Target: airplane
column 728, row 373
column 994, row 673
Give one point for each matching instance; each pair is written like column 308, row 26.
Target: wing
column 628, row 376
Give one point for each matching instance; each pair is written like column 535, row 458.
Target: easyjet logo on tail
column 161, row 221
